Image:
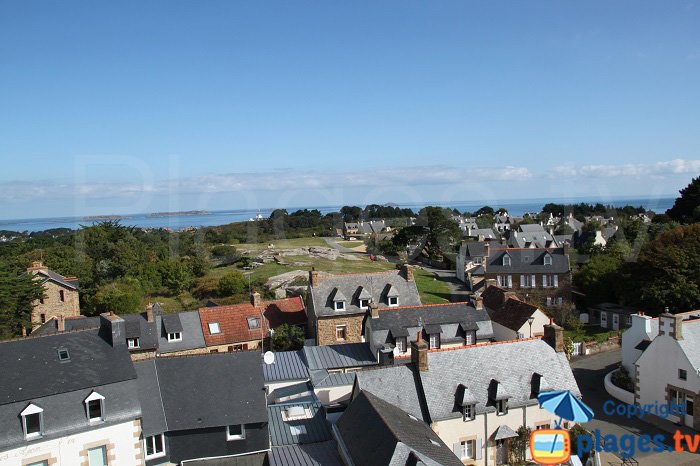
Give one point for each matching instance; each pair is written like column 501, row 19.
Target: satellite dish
column 269, row 357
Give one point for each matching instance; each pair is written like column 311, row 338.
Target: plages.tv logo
column 553, row 446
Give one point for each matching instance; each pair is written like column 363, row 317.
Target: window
column 550, row 281
column 133, row 343
column 155, row 446
column 527, row 281
column 394, row 301
column 604, row 319
column 469, row 338
column 520, row 336
column 560, row 300
column 478, row 260
column 434, row 340
column 542, row 427
column 466, row 450
column 682, row 374
column 468, row 413
column 339, row 305
column 547, row 260
column 364, row 303
column 61, row 295
column 94, row 405
column 97, row 456
column 175, row 336
column 297, row 430
column 501, row 407
column 63, row 354
column 340, row 332
column 43, row 318
column 39, row 463
column 401, row 344
column 629, row 320
column 214, row 328
column 253, row 323
column 235, row 432
column 32, row 421
column 506, row 260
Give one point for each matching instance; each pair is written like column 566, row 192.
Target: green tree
column 18, row 292
column 519, row 446
column 597, row 278
column 122, row 297
column 175, row 275
column 287, row 338
column 232, row 283
column 564, row 229
column 686, row 209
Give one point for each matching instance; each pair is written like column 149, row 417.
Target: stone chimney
column 313, row 277
column 149, row 312
column 419, row 353
column 407, row 272
column 671, row 325
column 567, row 248
column 37, row 266
column 61, row 323
column 256, row 300
column 478, row 302
column 554, row 336
column 113, row 329
column 374, row 310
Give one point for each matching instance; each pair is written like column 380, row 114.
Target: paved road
column 458, row 290
column 590, row 372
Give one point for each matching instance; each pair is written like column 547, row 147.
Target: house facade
column 337, row 304
column 61, row 295
column 511, row 317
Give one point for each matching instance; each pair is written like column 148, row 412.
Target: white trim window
column 506, row 260
column 401, row 344
column 468, row 413
column 501, row 407
column 393, row 301
column 364, row 304
column 527, row 281
column 32, row 421
column 434, row 340
column 235, row 432
column 214, row 328
column 133, row 343
column 95, row 407
column 505, row 281
column 547, row 259
column 465, row 450
column 341, row 332
column 154, row 446
column 175, row 336
column 339, row 305
column 469, row 338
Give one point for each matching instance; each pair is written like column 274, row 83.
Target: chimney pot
column 256, row 300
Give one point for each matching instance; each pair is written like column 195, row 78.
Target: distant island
column 189, row 213
column 102, row 217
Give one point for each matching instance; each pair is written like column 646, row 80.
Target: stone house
column 61, row 295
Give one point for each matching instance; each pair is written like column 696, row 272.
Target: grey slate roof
column 339, row 356
column 474, row 248
column 219, row 389
column 50, row 327
column 192, row 336
column 171, row 323
column 384, row 382
column 487, row 233
column 377, row 433
column 288, row 365
column 530, row 235
column 351, row 285
column 137, row 325
column 322, row 379
column 315, row 454
column 299, row 431
column 153, row 421
column 58, row 278
column 31, row 368
column 511, row 364
column 527, row 261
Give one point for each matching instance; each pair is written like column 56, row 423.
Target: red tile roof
column 233, row 319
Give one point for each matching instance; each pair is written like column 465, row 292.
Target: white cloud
column 670, row 167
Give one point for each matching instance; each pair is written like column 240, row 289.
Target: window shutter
column 556, row 281
column 478, row 448
column 510, row 281
column 457, row 449
column 534, row 281
column 522, row 281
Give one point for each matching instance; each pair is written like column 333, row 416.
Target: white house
column 512, row 318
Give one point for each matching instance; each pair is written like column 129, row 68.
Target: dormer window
column 175, row 336
column 364, row 304
column 502, row 407
column 434, row 340
column 506, row 260
column 253, row 323
column 468, row 412
column 339, row 300
column 547, row 259
column 95, row 407
column 339, row 305
column 32, row 422
column 401, row 344
column 133, row 343
column 393, row 301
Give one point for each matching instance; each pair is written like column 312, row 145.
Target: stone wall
column 538, row 295
column 53, row 306
column 326, row 329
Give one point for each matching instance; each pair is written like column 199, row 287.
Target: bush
column 231, row 284
column 287, row 338
column 621, row 378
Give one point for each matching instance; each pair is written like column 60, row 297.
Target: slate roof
column 321, row 378
column 192, row 336
column 315, row 454
column 474, row 248
column 513, row 314
column 219, row 389
column 71, row 283
column 153, row 420
column 253, row 459
column 171, row 323
column 351, row 285
column 50, row 327
column 288, row 365
column 486, row 232
column 377, row 433
column 31, row 368
column 339, row 356
column 314, row 429
column 529, row 260
column 384, row 383
column 531, row 235
column 138, row 326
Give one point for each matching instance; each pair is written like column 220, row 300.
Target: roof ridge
column 381, row 415
column 423, row 305
column 476, row 345
column 329, row 274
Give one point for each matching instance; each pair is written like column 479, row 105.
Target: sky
column 131, row 106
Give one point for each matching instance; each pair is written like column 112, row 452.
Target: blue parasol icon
column 566, row 406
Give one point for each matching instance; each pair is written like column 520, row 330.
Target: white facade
column 122, row 445
column 502, row 333
column 642, row 328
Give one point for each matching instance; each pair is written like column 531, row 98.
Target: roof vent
column 63, row 355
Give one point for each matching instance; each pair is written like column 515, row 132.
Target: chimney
column 567, row 247
column 554, row 336
column 374, row 310
column 407, row 271
column 61, row 323
column 478, row 303
column 313, row 277
column 24, row 331
column 671, row 325
column 149, row 312
column 256, row 300
column 419, row 353
column 113, row 329
column 36, row 266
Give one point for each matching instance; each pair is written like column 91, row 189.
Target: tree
column 287, row 338
column 18, row 292
column 486, row 210
column 484, row 221
column 564, row 229
column 123, row 297
column 175, row 275
column 686, row 209
column 351, row 214
column 597, row 278
column 519, row 446
column 232, row 284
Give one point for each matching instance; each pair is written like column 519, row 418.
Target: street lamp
column 530, row 320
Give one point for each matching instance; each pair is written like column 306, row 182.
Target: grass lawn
column 284, row 244
column 591, row 333
column 351, row 244
column 431, row 291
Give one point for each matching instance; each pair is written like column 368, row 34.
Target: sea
column 176, row 221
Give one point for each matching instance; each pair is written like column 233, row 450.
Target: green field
column 283, row 244
column 432, row 290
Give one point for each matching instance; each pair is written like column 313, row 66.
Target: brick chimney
column 113, row 329
column 419, row 353
column 671, row 325
column 407, row 272
column 554, row 336
column 313, row 277
column 149, row 312
column 61, row 323
column 256, row 300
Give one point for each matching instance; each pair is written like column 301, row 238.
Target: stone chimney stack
column 313, row 277
column 256, row 300
column 37, row 266
column 61, row 323
column 478, row 303
column 407, row 271
column 671, row 325
column 149, row 312
column 374, row 310
column 113, row 329
column 554, row 336
column 419, row 353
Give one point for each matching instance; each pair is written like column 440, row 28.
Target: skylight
column 63, row 354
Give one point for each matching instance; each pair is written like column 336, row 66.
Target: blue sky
column 120, row 107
